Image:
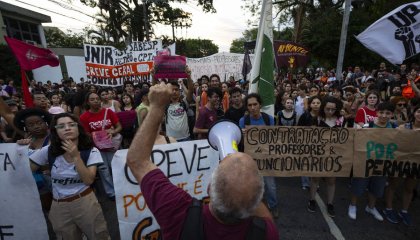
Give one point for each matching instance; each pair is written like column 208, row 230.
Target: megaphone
column 224, row 136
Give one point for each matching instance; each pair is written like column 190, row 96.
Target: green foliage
column 321, row 29
column 196, row 48
column 133, row 20
column 57, row 38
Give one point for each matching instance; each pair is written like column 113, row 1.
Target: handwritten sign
column 109, row 66
column 21, row 214
column 301, row 151
column 224, row 64
column 187, row 165
column 387, row 152
column 170, row 67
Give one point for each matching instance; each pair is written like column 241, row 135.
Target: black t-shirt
column 307, row 120
column 235, row 114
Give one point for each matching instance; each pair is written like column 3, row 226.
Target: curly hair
column 329, row 99
column 22, row 115
column 55, row 150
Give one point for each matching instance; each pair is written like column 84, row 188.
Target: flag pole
column 343, row 38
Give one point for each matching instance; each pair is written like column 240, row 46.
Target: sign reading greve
column 109, row 66
column 301, row 151
column 21, row 214
column 386, row 152
column 187, row 165
column 290, row 54
column 170, row 66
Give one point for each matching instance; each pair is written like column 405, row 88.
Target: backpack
column 193, row 225
column 281, row 116
column 84, row 155
column 266, row 118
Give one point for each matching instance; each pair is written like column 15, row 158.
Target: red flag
column 31, row 57
column 25, row 89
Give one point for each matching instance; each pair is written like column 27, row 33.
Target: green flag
column 262, row 77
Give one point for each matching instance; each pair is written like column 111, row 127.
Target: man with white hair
column 235, row 210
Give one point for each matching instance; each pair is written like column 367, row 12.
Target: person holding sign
column 255, row 117
column 72, row 160
column 409, row 183
column 374, row 184
column 329, row 116
column 233, row 207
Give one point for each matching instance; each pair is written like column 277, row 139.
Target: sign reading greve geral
column 108, row 66
column 301, row 151
column 187, row 165
column 170, row 67
column 387, row 152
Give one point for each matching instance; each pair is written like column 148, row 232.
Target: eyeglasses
column 402, row 105
column 330, row 109
column 63, row 125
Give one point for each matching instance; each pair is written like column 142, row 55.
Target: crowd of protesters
column 380, row 98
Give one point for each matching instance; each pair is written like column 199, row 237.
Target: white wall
column 45, row 73
column 76, row 67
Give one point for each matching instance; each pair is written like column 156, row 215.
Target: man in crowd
column 236, row 109
column 208, row 114
column 40, row 100
column 176, row 119
column 256, row 117
column 232, row 206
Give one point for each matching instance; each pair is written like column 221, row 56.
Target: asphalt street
column 295, row 222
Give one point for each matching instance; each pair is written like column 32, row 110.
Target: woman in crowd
column 400, row 114
column 287, row 116
column 96, row 119
column 367, row 114
column 409, row 183
column 329, row 116
column 128, row 119
column 310, row 118
column 55, row 103
column 143, row 108
column 75, row 209
column 108, row 102
column 226, row 97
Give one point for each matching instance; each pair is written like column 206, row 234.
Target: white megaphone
column 224, row 136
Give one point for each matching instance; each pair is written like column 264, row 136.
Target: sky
column 222, row 27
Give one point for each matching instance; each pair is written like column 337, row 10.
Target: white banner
column 223, row 64
column 21, row 214
column 396, row 36
column 188, row 165
column 108, row 66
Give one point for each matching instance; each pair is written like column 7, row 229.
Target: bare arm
column 139, row 161
column 415, row 88
column 190, row 87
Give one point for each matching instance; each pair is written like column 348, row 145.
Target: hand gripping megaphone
column 224, row 136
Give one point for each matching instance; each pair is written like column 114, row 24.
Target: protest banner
column 386, row 152
column 108, row 66
column 188, row 165
column 301, row 151
column 170, row 67
column 223, row 64
column 21, row 214
column 290, row 54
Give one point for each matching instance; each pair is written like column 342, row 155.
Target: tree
column 196, row 48
column 57, row 38
column 133, row 20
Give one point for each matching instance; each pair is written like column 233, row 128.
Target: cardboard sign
column 109, row 66
column 386, row 152
column 170, row 66
column 21, row 214
column 301, row 151
column 188, row 165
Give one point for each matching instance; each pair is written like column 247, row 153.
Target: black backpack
column 84, row 155
column 193, row 225
column 266, row 117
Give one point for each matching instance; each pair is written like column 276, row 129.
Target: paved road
column 295, row 222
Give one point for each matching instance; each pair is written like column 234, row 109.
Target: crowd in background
column 377, row 98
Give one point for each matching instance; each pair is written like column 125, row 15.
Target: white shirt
column 177, row 122
column 64, row 177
